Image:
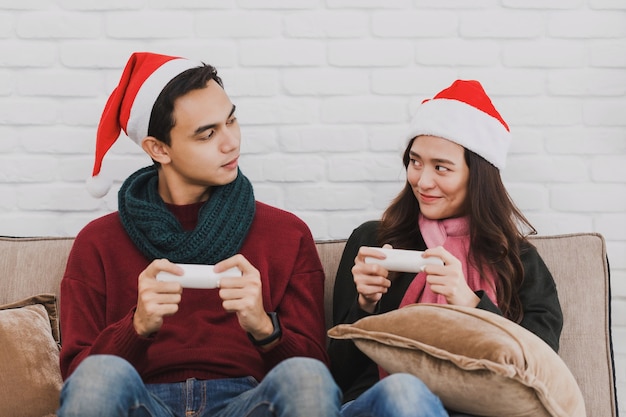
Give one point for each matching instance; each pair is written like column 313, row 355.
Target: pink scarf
column 453, row 235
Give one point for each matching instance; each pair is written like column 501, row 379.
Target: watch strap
column 276, row 334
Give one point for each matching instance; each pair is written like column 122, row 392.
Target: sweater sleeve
column 84, row 314
column 300, row 305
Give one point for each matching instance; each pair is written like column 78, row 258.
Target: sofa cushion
column 477, row 362
column 30, row 378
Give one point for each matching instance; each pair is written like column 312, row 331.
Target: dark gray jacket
column 355, row 372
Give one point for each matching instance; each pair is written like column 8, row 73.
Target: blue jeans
column 397, row 395
column 105, row 385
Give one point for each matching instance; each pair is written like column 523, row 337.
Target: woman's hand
column 448, row 280
column 370, row 279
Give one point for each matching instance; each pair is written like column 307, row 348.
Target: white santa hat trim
column 139, row 119
column 480, row 130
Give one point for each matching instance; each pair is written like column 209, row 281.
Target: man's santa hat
column 130, row 105
column 464, row 114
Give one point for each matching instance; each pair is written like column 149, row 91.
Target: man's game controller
column 401, row 260
column 198, row 276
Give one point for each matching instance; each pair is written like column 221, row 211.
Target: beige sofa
column 32, row 266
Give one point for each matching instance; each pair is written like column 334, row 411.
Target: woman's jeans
column 105, row 385
column 397, row 395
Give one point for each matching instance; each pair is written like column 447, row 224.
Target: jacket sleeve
column 539, row 298
column 347, row 362
column 540, row 301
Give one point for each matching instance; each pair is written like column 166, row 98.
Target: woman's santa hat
column 130, row 105
column 464, row 114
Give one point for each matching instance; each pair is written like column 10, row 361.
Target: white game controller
column 198, row 276
column 401, row 260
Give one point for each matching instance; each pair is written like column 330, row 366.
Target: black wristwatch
column 276, row 334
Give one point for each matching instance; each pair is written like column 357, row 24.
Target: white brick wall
column 324, row 92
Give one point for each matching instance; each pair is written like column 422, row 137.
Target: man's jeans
column 105, row 385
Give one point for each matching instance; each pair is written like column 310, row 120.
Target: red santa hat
column 130, row 105
column 464, row 114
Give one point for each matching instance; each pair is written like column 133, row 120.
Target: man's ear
column 157, row 150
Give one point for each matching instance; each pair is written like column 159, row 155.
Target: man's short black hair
column 162, row 118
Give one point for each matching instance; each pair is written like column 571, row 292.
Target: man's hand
column 370, row 279
column 156, row 299
column 244, row 297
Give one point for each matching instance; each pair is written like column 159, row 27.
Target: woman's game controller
column 401, row 260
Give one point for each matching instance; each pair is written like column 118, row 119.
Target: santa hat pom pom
column 98, row 186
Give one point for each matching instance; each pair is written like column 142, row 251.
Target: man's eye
column 231, row 120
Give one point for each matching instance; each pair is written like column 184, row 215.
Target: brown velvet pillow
column 476, row 362
column 30, row 378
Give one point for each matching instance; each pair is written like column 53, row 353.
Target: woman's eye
column 441, row 168
column 231, row 120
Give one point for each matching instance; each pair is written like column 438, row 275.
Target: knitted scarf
column 453, row 235
column 223, row 221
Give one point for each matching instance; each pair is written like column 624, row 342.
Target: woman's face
column 438, row 174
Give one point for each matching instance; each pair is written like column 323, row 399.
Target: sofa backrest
column 30, row 266
column 580, row 268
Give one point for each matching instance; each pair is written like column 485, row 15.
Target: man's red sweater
column 99, row 296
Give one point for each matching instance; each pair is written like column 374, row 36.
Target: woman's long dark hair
column 496, row 228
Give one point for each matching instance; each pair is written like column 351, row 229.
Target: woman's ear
column 157, row 150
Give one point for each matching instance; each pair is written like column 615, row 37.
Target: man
column 134, row 345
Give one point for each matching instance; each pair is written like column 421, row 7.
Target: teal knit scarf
column 223, row 221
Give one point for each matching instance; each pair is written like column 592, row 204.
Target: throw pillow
column 477, row 362
column 30, row 378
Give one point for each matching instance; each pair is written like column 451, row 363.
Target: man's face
column 205, row 140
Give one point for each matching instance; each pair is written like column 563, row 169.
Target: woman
column 454, row 206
